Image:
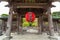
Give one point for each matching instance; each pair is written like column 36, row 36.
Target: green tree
column 56, row 15
column 4, row 16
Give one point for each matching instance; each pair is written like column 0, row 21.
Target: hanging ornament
column 30, row 16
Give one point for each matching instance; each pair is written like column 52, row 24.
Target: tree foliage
column 56, row 15
column 4, row 15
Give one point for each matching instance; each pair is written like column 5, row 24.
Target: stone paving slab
column 2, row 37
column 30, row 37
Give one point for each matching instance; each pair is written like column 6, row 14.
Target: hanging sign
column 30, row 16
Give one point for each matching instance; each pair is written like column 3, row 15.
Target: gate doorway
column 30, row 27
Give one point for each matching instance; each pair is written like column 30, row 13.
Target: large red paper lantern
column 30, row 16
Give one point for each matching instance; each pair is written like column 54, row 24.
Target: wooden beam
column 56, row 0
column 43, row 0
column 25, row 4
column 30, row 5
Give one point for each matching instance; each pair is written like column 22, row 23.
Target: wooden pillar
column 1, row 25
column 18, row 22
column 50, row 22
column 39, row 27
column 57, row 27
column 9, row 24
column 42, row 23
column 19, row 28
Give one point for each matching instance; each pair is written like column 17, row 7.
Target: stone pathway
column 29, row 36
column 44, row 36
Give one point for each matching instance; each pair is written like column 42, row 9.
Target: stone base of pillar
column 39, row 33
column 7, row 38
column 54, row 37
column 1, row 32
column 20, row 31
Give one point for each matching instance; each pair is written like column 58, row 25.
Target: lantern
column 30, row 16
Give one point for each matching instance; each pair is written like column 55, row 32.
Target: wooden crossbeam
column 37, row 4
column 30, row 5
column 16, row 0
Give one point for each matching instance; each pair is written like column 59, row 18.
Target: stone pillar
column 50, row 22
column 9, row 24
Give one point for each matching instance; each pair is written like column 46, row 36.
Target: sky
column 57, row 8
column 5, row 10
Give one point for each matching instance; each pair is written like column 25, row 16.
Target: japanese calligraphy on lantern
column 30, row 16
